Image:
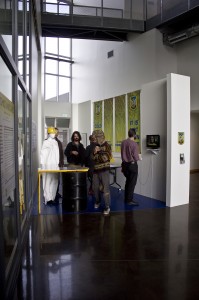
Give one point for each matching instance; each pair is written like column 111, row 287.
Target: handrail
column 99, row 10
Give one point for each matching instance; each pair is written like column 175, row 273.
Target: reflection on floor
column 132, row 254
column 117, row 204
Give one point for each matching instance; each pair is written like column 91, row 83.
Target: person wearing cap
column 75, row 151
column 101, row 157
column 130, row 156
column 49, row 158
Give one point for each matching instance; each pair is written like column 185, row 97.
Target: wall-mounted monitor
column 153, row 141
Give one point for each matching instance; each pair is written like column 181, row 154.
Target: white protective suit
column 50, row 160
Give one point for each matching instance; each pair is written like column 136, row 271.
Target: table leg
column 113, row 171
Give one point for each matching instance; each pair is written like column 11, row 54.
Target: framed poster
column 134, row 113
column 108, row 121
column 120, row 128
column 97, row 115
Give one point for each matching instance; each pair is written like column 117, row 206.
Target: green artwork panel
column 134, row 113
column 108, row 120
column 119, row 121
column 97, row 115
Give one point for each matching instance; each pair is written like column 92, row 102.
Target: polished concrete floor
column 149, row 253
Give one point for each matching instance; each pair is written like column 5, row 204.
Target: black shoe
column 132, row 202
column 50, row 202
column 58, row 195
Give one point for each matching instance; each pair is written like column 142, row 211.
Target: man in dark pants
column 130, row 156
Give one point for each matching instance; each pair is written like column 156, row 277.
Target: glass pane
column 6, row 23
column 52, row 45
column 63, row 123
column 64, row 9
column 21, row 153
column 64, row 89
column 28, row 154
column 27, row 51
column 51, row 1
column 51, row 66
column 51, row 88
column 64, row 68
column 51, row 8
column 20, row 66
column 7, row 162
column 138, row 10
column 153, row 8
column 50, row 122
column 64, row 47
column 89, row 2
column 8, row 41
column 113, row 4
column 20, row 5
column 20, row 37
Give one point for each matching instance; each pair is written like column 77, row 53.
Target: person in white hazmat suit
column 49, row 158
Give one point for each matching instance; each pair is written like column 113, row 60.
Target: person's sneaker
column 97, row 205
column 107, row 211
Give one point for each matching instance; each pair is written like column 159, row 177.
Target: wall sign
column 180, row 138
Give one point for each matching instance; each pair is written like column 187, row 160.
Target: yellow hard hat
column 51, row 130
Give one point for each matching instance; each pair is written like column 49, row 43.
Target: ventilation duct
column 171, row 39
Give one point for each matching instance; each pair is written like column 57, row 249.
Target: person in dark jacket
column 89, row 162
column 75, row 151
column 61, row 152
column 61, row 160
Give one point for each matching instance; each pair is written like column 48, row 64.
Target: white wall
column 178, row 120
column 188, row 64
column 140, row 60
column 152, row 168
column 56, row 109
column 84, row 118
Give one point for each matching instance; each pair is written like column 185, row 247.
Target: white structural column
column 178, row 121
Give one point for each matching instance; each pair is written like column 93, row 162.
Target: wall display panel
column 7, row 180
column 134, row 113
column 108, row 120
column 97, row 115
column 120, row 128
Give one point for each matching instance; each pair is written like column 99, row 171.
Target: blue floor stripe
column 117, row 204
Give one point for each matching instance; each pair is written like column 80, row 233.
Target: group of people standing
column 96, row 157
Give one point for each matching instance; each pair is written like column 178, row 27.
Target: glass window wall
column 6, row 23
column 7, row 181
column 57, row 69
column 21, row 153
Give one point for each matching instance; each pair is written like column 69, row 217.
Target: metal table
column 58, row 170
